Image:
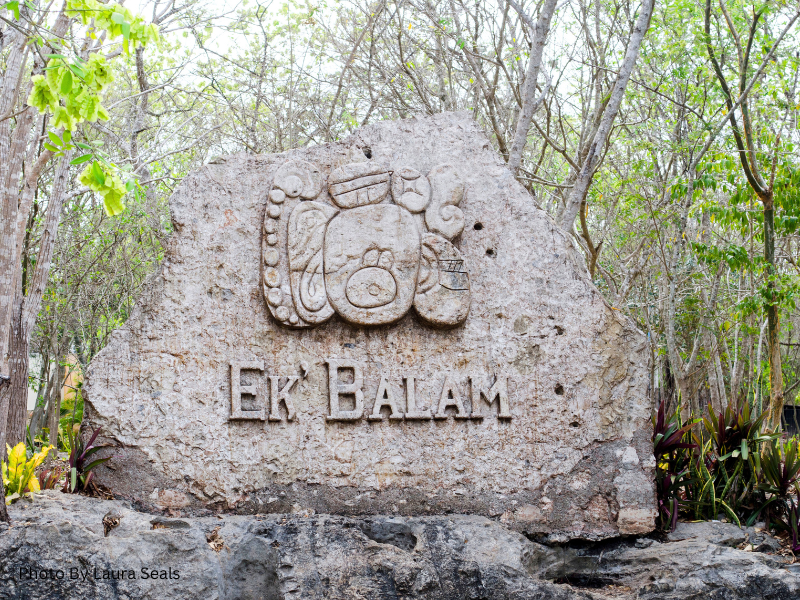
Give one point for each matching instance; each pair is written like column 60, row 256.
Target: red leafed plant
column 81, row 472
column 670, row 442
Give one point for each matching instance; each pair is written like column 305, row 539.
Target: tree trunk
column 26, row 308
column 54, row 414
column 592, row 161
column 3, row 509
column 52, row 373
column 539, row 32
column 18, row 366
column 40, row 411
column 5, row 394
column 712, row 374
column 9, row 185
column 773, row 318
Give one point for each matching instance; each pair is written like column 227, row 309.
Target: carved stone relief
column 364, row 253
column 510, row 389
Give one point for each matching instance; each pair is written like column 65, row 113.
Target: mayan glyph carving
column 367, row 246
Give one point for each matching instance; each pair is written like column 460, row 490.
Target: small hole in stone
column 560, row 389
column 490, row 252
column 559, row 330
column 367, row 151
column 574, row 424
column 477, row 226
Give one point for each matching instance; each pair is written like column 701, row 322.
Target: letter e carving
column 499, row 392
column 237, row 389
column 337, row 388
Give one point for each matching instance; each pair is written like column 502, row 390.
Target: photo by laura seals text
column 80, row 574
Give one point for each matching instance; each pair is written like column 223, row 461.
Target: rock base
column 56, row 548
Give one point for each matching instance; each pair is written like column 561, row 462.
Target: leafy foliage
column 19, row 475
column 672, row 464
column 71, row 91
column 80, row 473
column 734, row 469
column 99, row 178
column 49, row 479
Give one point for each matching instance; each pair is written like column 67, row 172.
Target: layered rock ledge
column 282, row 557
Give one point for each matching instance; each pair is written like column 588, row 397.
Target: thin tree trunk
column 757, row 394
column 33, row 299
column 54, row 414
column 41, row 408
column 11, row 156
column 711, row 370
column 539, row 32
column 28, row 308
column 773, row 320
column 4, row 384
column 592, row 161
column 18, row 367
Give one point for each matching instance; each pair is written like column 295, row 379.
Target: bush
column 730, row 467
column 18, row 474
column 80, row 473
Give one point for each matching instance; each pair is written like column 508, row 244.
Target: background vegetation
column 663, row 136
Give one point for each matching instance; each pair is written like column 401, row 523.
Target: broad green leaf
column 97, row 173
column 66, row 83
column 54, row 138
column 13, row 7
column 81, row 159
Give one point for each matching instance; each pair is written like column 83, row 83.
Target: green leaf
column 744, row 449
column 97, row 174
column 73, row 474
column 67, row 137
column 54, row 138
column 66, row 83
column 77, row 70
column 126, row 30
column 14, row 7
column 81, row 159
column 117, row 18
column 51, row 147
column 84, row 146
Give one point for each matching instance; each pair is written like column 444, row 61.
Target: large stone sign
column 386, row 324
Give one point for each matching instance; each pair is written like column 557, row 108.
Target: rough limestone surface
column 293, row 557
column 382, row 325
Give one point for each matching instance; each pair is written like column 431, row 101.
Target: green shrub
column 730, row 467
